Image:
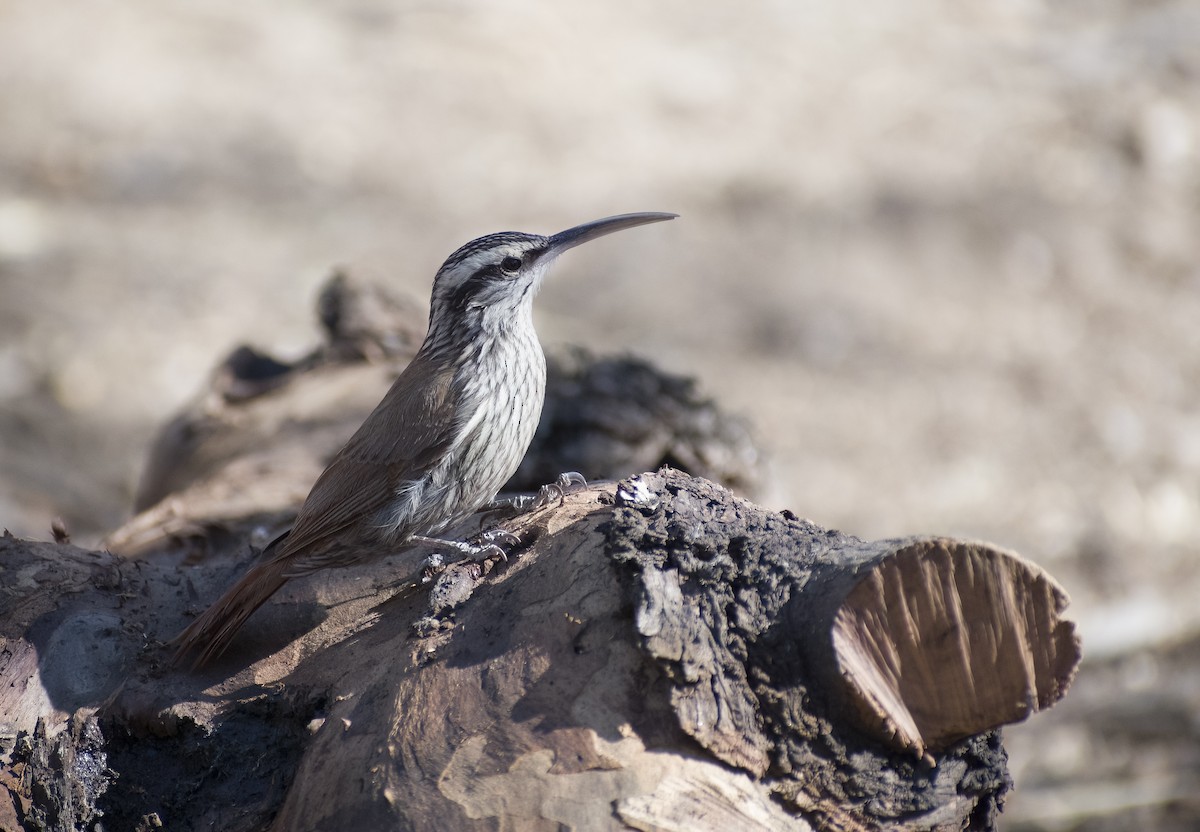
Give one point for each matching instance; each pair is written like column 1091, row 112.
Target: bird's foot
column 564, row 484
column 485, row 545
column 492, row 542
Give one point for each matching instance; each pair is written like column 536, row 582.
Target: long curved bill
column 572, row 237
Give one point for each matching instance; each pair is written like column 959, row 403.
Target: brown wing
column 402, row 439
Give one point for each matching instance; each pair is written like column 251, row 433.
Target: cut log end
column 943, row 639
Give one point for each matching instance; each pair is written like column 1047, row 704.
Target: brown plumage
column 448, row 434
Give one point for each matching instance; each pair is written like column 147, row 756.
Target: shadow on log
column 659, row 655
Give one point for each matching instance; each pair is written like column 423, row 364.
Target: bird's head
column 490, row 282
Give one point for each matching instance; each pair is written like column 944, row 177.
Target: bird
column 451, row 430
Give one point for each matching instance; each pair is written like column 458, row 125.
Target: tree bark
column 658, row 654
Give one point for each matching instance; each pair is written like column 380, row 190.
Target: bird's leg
column 564, row 484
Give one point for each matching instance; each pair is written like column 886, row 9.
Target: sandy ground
column 945, row 256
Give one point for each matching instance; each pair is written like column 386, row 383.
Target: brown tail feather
column 210, row 634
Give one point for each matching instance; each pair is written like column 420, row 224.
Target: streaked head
column 493, row 279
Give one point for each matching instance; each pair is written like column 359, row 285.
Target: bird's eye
column 510, row 264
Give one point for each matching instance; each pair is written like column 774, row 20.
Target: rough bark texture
column 656, row 655
column 744, row 610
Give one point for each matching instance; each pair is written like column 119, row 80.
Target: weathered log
column 658, row 655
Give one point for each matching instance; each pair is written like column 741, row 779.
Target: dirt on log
column 658, row 654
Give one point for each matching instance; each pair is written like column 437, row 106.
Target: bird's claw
column 571, row 481
column 479, row 548
column 566, row 483
column 486, row 546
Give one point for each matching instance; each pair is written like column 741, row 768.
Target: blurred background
column 944, row 257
